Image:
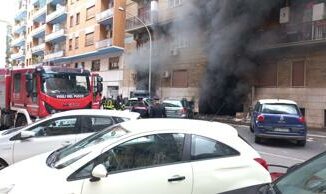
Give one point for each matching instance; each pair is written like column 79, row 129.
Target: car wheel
column 301, row 143
column 257, row 139
column 21, row 121
column 3, row 164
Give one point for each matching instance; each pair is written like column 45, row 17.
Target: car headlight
column 6, row 189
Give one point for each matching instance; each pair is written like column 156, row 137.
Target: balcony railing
column 104, row 15
column 38, row 30
column 55, row 54
column 134, row 23
column 19, row 27
column 55, row 35
column 21, row 13
column 39, row 13
column 297, row 33
column 60, row 11
column 103, row 43
column 38, row 48
column 18, row 55
column 18, row 41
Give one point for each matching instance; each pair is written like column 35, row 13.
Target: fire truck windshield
column 63, row 84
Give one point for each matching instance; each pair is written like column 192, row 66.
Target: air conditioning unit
column 318, row 12
column 174, row 52
column 284, row 15
column 166, row 74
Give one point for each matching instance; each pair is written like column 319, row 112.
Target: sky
column 7, row 10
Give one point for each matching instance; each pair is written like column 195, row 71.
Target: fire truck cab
column 27, row 94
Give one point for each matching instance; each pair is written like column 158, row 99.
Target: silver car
column 176, row 108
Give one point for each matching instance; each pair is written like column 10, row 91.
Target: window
column 71, row 21
column 96, row 65
column 58, row 126
column 89, row 39
column 204, row 148
column 90, row 12
column 174, row 3
column 113, row 63
column 298, row 74
column 76, row 42
column 77, row 18
column 17, row 78
column 70, row 44
column 180, row 79
column 92, row 124
column 147, row 151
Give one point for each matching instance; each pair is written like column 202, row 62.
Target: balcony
column 105, row 16
column 19, row 28
column 18, row 56
column 39, row 15
column 103, row 44
column 21, row 13
column 57, row 16
column 289, row 35
column 54, row 55
column 20, row 41
column 39, row 49
column 38, row 32
column 55, row 2
column 56, row 36
column 132, row 24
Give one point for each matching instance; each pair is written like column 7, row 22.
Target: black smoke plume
column 229, row 28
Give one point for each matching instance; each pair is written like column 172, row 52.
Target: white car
column 55, row 131
column 146, row 156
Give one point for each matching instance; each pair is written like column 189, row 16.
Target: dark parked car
column 306, row 178
column 141, row 105
column 176, row 108
column 280, row 119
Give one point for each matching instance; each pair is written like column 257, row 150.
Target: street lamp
column 150, row 48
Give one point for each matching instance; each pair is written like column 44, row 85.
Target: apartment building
column 178, row 65
column 75, row 33
column 293, row 60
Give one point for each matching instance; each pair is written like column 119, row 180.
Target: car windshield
column 308, row 179
column 170, row 103
column 104, row 135
column 290, row 109
column 60, row 83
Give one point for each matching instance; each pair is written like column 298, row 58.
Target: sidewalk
column 318, row 132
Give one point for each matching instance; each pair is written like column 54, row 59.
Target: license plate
column 281, row 130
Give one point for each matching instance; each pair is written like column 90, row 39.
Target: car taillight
column 260, row 118
column 302, row 120
column 262, row 162
column 184, row 110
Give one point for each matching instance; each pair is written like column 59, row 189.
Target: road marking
column 313, row 135
column 280, row 156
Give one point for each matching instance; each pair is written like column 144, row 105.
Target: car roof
column 276, row 101
column 186, row 125
column 97, row 112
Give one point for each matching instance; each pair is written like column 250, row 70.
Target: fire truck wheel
column 21, row 121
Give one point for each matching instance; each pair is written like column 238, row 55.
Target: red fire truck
column 27, row 94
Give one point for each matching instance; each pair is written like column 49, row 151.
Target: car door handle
column 176, row 178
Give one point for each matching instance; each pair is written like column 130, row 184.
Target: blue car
column 278, row 119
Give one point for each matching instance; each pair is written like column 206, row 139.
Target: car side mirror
column 99, row 172
column 26, row 135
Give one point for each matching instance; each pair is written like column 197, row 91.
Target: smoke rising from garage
column 229, row 28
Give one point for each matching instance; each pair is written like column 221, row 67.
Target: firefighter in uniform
column 108, row 104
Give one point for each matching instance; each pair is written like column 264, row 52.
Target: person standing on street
column 157, row 110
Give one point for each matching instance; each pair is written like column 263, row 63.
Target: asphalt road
column 283, row 152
